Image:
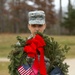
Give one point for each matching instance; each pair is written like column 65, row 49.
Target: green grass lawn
column 6, row 40
column 4, row 68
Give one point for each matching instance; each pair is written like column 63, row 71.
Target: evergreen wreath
column 52, row 50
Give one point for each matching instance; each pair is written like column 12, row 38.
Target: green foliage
column 53, row 51
column 69, row 21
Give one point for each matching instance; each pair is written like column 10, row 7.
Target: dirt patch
column 71, row 63
column 4, row 60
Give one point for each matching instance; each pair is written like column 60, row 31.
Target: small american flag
column 25, row 70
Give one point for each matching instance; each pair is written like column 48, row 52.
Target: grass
column 4, row 68
column 6, row 40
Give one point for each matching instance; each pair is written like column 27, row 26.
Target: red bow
column 31, row 48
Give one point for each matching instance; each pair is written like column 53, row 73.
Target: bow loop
column 40, row 43
column 30, row 50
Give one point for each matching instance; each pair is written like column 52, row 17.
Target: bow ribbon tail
column 35, row 65
column 42, row 63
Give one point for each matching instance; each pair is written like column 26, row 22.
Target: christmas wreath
column 52, row 50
